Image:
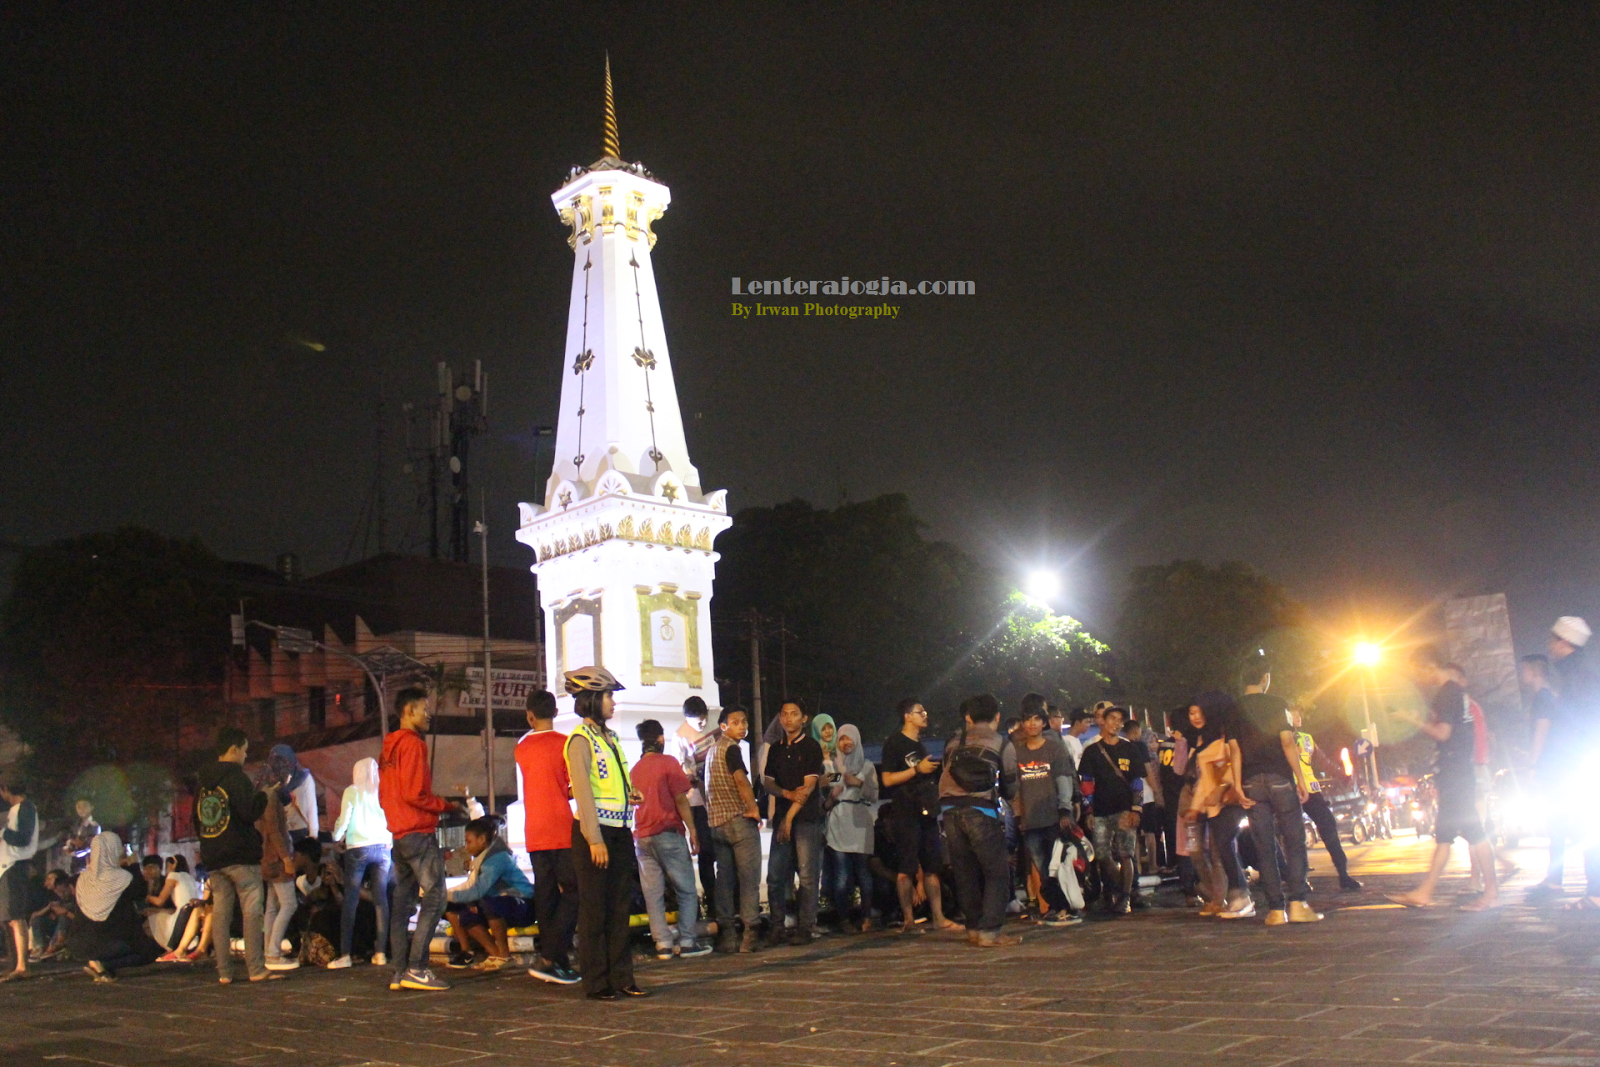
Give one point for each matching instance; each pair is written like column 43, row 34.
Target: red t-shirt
column 660, row 781
column 546, row 791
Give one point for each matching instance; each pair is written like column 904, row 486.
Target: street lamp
column 1043, row 585
column 1368, row 654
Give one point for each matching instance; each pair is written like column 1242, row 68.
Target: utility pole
column 783, row 657
column 759, row 727
column 488, row 677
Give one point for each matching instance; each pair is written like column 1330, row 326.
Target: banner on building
column 511, row 689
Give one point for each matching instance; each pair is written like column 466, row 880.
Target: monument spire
column 622, row 532
column 609, row 142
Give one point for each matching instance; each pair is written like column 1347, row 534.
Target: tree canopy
column 108, row 642
column 1186, row 628
column 874, row 612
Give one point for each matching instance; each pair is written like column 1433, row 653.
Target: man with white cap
column 1573, row 709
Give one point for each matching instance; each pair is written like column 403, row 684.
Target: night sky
column 1311, row 286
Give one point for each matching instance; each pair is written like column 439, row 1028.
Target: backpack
column 974, row 768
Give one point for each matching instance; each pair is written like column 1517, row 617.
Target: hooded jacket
column 494, row 873
column 405, row 785
column 226, row 808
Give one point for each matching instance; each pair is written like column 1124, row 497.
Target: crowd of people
column 1039, row 818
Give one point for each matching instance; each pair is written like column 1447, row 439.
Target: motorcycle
column 1425, row 806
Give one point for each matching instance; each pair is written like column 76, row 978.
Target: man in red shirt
column 405, row 790
column 664, row 853
column 547, row 826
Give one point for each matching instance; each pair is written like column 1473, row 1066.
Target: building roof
column 393, row 593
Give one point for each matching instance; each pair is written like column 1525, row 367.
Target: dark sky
column 1311, row 286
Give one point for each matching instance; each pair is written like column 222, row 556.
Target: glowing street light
column 1368, row 654
column 1043, row 586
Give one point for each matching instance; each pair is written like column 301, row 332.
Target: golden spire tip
column 609, row 143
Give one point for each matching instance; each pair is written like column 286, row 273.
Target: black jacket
column 225, row 813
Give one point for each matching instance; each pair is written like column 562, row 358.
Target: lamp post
column 1367, row 656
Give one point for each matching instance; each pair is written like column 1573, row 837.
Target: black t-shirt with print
column 1113, row 792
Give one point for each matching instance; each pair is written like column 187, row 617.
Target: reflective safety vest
column 608, row 773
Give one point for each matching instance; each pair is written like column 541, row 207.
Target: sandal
column 1405, row 901
column 270, row 976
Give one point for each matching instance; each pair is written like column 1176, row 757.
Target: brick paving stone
column 1370, row 985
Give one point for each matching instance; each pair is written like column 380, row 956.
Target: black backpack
column 974, row 768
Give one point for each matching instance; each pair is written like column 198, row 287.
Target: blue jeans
column 357, row 863
column 665, row 857
column 851, row 869
column 802, row 853
column 1276, row 817
column 738, row 845
column 418, row 870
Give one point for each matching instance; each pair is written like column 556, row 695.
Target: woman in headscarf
column 109, row 933
column 298, row 791
column 277, row 872
column 855, row 799
column 365, row 833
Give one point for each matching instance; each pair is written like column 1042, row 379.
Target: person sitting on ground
column 665, row 840
column 496, row 896
column 109, row 933
column 167, row 905
column 196, row 932
column 50, row 922
column 319, row 889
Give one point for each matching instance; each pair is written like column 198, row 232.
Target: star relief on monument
column 670, row 491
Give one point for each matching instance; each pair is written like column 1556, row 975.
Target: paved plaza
column 1373, row 984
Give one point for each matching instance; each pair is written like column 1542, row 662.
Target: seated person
column 169, row 908
column 48, row 924
column 319, row 887
column 109, row 933
column 496, row 895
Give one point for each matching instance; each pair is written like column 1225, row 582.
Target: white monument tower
column 623, row 537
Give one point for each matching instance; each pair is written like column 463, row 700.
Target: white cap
column 1571, row 629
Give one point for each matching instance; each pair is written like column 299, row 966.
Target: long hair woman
column 1217, row 803
column 602, row 837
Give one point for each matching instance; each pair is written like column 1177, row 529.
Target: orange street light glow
column 1368, row 654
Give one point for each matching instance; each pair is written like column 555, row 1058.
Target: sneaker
column 1277, row 917
column 1348, row 884
column 380, row 960
column 555, row 974
column 283, row 964
column 1300, row 912
column 1212, row 907
column 459, row 961
column 1242, row 908
column 1060, row 918
column 340, row 964
column 394, row 982
column 423, row 979
column 664, row 952
column 697, row 949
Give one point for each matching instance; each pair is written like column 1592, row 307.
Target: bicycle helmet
column 595, row 679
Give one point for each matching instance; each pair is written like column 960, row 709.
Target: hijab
column 101, row 884
column 286, row 765
column 364, row 776
column 854, row 762
column 817, row 723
